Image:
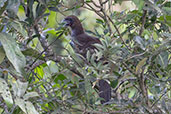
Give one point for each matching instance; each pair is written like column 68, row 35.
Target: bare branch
column 119, row 33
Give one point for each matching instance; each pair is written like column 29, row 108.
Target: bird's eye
column 69, row 19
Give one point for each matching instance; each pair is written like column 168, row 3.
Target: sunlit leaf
column 21, row 13
column 140, row 65
column 39, row 71
column 30, row 95
column 30, row 108
column 26, row 106
column 21, row 103
column 2, row 55
column 19, row 88
column 132, row 93
column 88, row 1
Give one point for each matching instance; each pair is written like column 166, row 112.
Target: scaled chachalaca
column 82, row 43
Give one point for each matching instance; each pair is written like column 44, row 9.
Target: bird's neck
column 77, row 30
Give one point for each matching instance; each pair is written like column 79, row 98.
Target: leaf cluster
column 40, row 72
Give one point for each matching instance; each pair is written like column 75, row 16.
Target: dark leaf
column 114, row 83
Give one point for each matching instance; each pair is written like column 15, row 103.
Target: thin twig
column 123, row 81
column 118, row 32
column 143, row 22
column 47, row 47
column 96, row 4
column 160, row 98
column 137, row 55
column 105, row 17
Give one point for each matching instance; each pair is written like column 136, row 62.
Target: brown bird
column 82, row 42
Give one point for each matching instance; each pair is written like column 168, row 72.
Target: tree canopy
column 41, row 74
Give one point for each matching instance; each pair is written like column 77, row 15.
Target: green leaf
column 163, row 59
column 114, row 83
column 129, row 17
column 33, row 53
column 168, row 67
column 19, row 88
column 13, row 52
column 167, row 10
column 5, row 92
column 99, row 46
column 60, row 77
column 88, row 55
column 87, row 1
column 139, row 3
column 13, row 5
column 104, row 44
column 116, row 73
column 30, row 95
column 140, row 65
column 18, row 26
column 100, row 21
column 21, row 103
column 2, row 55
column 53, row 67
column 26, row 106
column 89, row 91
column 30, row 108
column 92, row 60
column 165, row 19
column 140, row 41
column 21, row 13
column 132, row 93
column 168, row 35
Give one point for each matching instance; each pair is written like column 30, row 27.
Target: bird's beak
column 65, row 23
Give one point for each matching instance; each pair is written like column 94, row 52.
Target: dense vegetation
column 40, row 73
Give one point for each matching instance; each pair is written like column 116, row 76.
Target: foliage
column 40, row 73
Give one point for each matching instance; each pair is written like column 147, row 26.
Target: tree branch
column 143, row 22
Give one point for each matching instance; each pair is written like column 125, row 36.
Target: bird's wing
column 86, row 39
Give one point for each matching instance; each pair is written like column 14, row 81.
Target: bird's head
column 71, row 21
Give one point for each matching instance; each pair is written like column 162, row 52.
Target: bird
column 81, row 43
column 81, row 40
